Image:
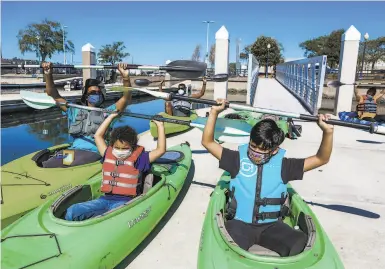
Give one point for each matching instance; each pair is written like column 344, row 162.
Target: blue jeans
column 93, row 208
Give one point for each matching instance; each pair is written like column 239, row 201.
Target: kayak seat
column 79, row 194
column 261, row 251
column 42, row 156
column 306, row 224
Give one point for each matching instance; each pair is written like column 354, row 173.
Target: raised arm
column 208, row 133
column 161, row 148
column 125, row 100
column 100, row 133
column 202, row 91
column 378, row 96
column 50, row 85
column 325, row 150
column 356, row 94
column 161, row 86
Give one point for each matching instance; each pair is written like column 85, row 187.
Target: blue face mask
column 95, row 99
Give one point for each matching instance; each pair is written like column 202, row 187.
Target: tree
column 212, row 55
column 264, row 55
column 244, row 55
column 45, row 39
column 375, row 52
column 113, row 53
column 232, row 68
column 329, row 45
column 196, row 54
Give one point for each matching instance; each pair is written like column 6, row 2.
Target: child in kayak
column 182, row 108
column 123, row 162
column 367, row 105
column 258, row 189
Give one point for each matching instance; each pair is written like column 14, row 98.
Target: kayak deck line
column 51, row 235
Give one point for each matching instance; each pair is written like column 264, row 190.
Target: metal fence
column 304, row 79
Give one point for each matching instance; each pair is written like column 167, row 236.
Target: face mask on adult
column 258, row 158
column 121, row 153
column 181, row 91
column 95, row 99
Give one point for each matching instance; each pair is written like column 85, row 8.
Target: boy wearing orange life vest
column 367, row 105
column 123, row 162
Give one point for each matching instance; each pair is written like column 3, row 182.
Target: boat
column 43, row 237
column 172, row 128
column 287, row 125
column 353, row 117
column 25, row 184
column 218, row 250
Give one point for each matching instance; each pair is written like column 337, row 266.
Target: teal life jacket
column 258, row 191
column 86, row 124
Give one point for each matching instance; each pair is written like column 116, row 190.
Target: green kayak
column 172, row 128
column 218, row 250
column 44, row 238
column 25, row 184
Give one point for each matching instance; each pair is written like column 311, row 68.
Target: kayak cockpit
column 83, row 193
column 296, row 219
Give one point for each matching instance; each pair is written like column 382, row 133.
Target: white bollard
column 222, row 44
column 88, row 58
column 350, row 43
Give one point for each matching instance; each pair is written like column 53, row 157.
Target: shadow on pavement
column 348, row 209
column 123, row 264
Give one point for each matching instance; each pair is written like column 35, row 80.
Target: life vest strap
column 121, row 175
column 119, row 162
column 119, row 184
column 270, row 201
column 269, row 215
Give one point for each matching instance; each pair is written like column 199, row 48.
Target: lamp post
column 267, row 59
column 38, row 48
column 207, row 40
column 366, row 37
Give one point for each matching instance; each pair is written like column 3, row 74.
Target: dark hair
column 234, row 116
column 372, row 91
column 124, row 134
column 182, row 84
column 267, row 135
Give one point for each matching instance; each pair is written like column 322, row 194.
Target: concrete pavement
column 346, row 195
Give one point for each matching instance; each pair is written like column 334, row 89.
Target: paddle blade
column 335, row 84
column 379, row 129
column 37, row 100
column 185, row 69
column 142, row 82
column 226, row 126
column 220, row 77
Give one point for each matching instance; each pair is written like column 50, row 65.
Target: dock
column 346, row 194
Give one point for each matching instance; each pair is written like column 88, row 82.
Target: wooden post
column 350, row 43
column 88, row 58
column 222, row 44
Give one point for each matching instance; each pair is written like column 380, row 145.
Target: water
column 27, row 138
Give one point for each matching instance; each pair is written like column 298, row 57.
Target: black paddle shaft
column 371, row 128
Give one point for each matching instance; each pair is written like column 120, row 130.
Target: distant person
column 83, row 124
column 367, row 105
column 182, row 108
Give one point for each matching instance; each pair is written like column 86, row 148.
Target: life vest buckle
column 119, row 162
column 114, row 174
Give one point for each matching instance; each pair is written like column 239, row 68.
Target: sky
column 154, row 32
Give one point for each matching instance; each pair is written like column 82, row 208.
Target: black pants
column 81, row 157
column 377, row 118
column 276, row 236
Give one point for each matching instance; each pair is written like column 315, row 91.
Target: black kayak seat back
column 170, row 157
column 41, row 156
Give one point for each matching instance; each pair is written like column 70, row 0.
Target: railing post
column 350, row 42
column 88, row 58
column 222, row 44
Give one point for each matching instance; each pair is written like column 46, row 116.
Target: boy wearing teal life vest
column 259, row 173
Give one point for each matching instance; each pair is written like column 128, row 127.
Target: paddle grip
column 338, row 122
column 175, row 121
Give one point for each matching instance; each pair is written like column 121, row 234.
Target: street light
column 207, row 40
column 64, row 47
column 38, row 47
column 366, row 37
column 267, row 60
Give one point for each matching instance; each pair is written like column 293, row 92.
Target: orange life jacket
column 120, row 176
